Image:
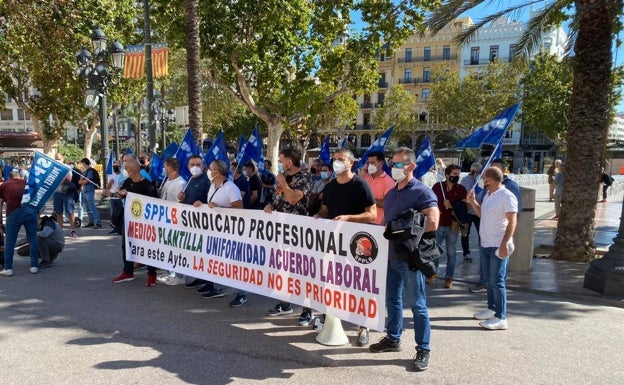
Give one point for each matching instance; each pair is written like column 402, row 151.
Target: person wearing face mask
column 241, row 181
column 449, row 193
column 291, row 196
column 255, row 184
column 316, row 192
column 408, row 193
column 348, row 198
column 379, row 182
column 195, row 191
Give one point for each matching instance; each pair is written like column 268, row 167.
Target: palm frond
column 540, row 21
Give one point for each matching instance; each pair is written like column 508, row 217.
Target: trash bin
column 524, row 238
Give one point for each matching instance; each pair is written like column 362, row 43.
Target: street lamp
column 99, row 75
column 166, row 117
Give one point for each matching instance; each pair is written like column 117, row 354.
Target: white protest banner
column 335, row 267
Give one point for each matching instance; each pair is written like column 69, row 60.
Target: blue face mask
column 280, row 168
column 324, row 175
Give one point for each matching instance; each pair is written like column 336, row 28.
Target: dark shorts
column 63, row 203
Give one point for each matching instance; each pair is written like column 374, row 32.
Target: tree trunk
column 90, row 132
column 276, row 128
column 193, row 66
column 587, row 132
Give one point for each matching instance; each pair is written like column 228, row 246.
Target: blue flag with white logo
column 217, row 151
column 254, row 149
column 378, row 145
column 157, row 168
column 492, row 131
column 425, row 159
column 242, row 144
column 45, row 175
column 324, row 155
column 496, row 154
column 186, row 149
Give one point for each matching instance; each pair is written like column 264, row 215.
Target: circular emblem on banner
column 136, row 208
column 363, row 247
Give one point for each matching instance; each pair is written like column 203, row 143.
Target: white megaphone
column 332, row 333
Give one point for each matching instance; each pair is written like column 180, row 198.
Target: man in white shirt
column 498, row 214
column 169, row 192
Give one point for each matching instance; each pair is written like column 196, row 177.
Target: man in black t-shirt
column 255, row 185
column 348, row 198
column 135, row 183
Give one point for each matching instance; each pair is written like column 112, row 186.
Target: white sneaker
column 494, row 324
column 163, row 277
column 484, row 315
column 34, row 270
column 6, row 272
column 174, row 280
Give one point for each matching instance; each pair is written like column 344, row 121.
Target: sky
column 487, row 9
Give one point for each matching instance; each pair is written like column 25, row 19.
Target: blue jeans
column 449, row 237
column 88, row 197
column 27, row 217
column 399, row 277
column 496, row 275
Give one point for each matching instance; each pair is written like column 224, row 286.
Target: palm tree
column 593, row 25
column 193, row 66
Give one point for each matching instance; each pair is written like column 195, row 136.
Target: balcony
column 366, row 105
column 364, row 127
column 430, row 58
column 484, row 62
column 382, row 84
column 407, row 80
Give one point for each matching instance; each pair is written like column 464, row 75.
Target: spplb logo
column 363, row 248
column 136, row 208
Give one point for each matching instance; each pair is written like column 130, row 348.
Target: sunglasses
column 399, row 164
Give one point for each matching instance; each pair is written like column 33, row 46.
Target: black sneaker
column 478, row 288
column 98, row 226
column 214, row 293
column 209, row 286
column 45, row 264
column 239, row 301
column 386, row 345
column 467, row 258
column 421, row 360
column 195, row 283
column 90, row 225
column 305, row 318
column 279, row 310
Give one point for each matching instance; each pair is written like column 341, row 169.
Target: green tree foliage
column 38, row 41
column 397, row 110
column 547, row 86
column 467, row 103
column 271, row 55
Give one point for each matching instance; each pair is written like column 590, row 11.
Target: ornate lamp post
column 166, row 117
column 99, row 74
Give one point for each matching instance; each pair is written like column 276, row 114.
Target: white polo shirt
column 224, row 195
column 494, row 208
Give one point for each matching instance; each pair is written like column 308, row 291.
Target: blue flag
column 343, row 142
column 378, row 145
column 170, row 151
column 324, row 155
column 254, row 149
column 492, row 131
column 109, row 164
column 129, row 151
column 242, row 144
column 7, row 171
column 45, row 175
column 157, row 169
column 185, row 150
column 425, row 159
column 217, row 151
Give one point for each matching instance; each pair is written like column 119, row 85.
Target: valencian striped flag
column 135, row 61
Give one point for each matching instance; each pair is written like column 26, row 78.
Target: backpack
column 96, row 177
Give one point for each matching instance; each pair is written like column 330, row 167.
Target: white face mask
column 124, row 173
column 195, row 171
column 209, row 173
column 398, row 174
column 338, row 167
column 244, row 173
column 372, row 169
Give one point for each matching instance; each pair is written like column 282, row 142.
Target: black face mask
column 313, row 170
column 454, row 179
column 116, row 168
